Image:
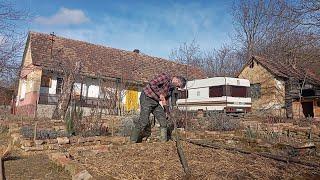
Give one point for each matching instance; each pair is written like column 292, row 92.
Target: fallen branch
column 180, row 152
column 285, row 159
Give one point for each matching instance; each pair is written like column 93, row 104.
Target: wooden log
column 180, row 152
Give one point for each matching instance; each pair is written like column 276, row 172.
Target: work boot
column 163, row 134
column 135, row 135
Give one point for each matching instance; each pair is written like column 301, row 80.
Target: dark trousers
column 147, row 106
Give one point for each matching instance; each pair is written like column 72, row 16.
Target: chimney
column 136, row 51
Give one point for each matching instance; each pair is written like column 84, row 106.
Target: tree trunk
column 288, row 99
column 64, row 100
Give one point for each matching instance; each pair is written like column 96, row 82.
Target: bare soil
column 33, row 166
column 160, row 161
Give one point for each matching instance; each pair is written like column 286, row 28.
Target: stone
column 35, row 148
column 73, row 140
column 83, row 175
column 52, row 141
column 39, row 142
column 63, row 140
column 27, row 143
column 59, row 128
column 53, row 146
column 81, row 140
column 307, row 145
column 56, row 121
column 230, row 142
column 90, row 139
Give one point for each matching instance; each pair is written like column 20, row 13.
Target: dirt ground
column 36, row 166
column 160, row 161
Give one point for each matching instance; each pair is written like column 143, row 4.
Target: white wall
column 200, row 93
column 217, row 81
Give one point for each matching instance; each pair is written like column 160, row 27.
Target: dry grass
column 160, row 161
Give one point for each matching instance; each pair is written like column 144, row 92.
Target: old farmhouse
column 108, row 78
column 282, row 90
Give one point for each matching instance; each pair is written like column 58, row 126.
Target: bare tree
column 70, row 73
column 224, row 61
column 11, row 40
column 188, row 53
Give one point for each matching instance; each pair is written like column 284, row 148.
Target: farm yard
column 160, row 90
column 229, row 148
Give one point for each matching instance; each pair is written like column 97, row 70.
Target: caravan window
column 238, row 91
column 216, row 91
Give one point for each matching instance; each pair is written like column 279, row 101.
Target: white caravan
column 226, row 94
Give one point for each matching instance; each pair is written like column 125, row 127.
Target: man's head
column 179, row 81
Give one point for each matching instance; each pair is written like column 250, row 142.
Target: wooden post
column 35, row 132
column 2, row 171
column 112, row 127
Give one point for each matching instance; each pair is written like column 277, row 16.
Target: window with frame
column 45, row 81
column 216, row 91
column 255, row 90
column 183, row 94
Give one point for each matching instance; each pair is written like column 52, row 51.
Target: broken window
column 45, row 81
column 59, row 85
column 255, row 90
column 183, row 94
column 238, row 91
column 216, row 91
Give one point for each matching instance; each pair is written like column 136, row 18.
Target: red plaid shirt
column 161, row 84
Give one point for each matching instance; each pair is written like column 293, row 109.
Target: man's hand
column 163, row 100
column 162, row 97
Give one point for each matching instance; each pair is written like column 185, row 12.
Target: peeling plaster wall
column 272, row 89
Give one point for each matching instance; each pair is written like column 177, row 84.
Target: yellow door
column 132, row 99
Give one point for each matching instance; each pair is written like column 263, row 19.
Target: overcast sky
column 154, row 27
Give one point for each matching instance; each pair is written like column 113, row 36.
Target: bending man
column 153, row 97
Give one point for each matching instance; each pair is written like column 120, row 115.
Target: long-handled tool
column 180, row 152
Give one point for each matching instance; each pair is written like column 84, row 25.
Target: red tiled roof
column 100, row 60
column 287, row 71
